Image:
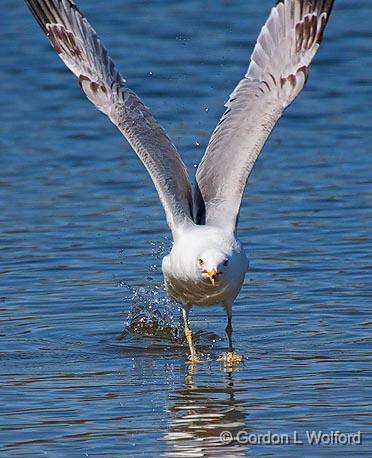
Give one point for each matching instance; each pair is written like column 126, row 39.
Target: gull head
column 204, row 257
column 213, row 264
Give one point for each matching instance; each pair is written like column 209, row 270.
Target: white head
column 209, row 254
column 213, row 264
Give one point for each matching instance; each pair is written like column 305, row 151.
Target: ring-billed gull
column 207, row 263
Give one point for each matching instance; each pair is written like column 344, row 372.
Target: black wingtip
column 327, row 8
column 38, row 13
column 48, row 11
column 322, row 6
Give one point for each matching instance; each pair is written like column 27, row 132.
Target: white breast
column 184, row 282
column 191, row 292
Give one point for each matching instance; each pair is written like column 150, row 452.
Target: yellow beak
column 212, row 275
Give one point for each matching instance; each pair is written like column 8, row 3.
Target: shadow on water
column 200, row 413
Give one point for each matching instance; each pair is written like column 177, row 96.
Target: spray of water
column 152, row 314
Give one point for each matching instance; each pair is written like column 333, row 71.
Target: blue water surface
column 82, row 233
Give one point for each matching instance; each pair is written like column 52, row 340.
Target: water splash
column 152, row 314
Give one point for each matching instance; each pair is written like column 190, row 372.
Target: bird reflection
column 199, row 414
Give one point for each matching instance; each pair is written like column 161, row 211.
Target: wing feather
column 78, row 46
column 276, row 75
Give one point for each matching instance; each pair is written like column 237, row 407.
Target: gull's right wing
column 78, row 46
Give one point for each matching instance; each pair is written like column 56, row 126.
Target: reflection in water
column 199, row 414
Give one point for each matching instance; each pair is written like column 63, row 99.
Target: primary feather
column 276, row 74
column 80, row 49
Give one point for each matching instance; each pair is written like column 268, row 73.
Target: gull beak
column 212, row 274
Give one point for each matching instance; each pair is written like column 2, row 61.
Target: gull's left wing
column 80, row 49
column 276, row 75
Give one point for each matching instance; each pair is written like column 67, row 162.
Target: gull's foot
column 193, row 359
column 231, row 358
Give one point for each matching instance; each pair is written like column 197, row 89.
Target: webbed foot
column 231, row 358
column 193, row 359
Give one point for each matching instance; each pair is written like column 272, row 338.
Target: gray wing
column 276, row 74
column 78, row 46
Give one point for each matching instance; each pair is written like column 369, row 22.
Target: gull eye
column 200, row 262
column 225, row 263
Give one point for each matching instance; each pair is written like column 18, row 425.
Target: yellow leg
column 230, row 358
column 188, row 334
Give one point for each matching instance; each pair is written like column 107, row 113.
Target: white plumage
column 186, row 278
column 207, row 263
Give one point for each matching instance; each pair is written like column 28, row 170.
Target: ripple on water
column 89, row 368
